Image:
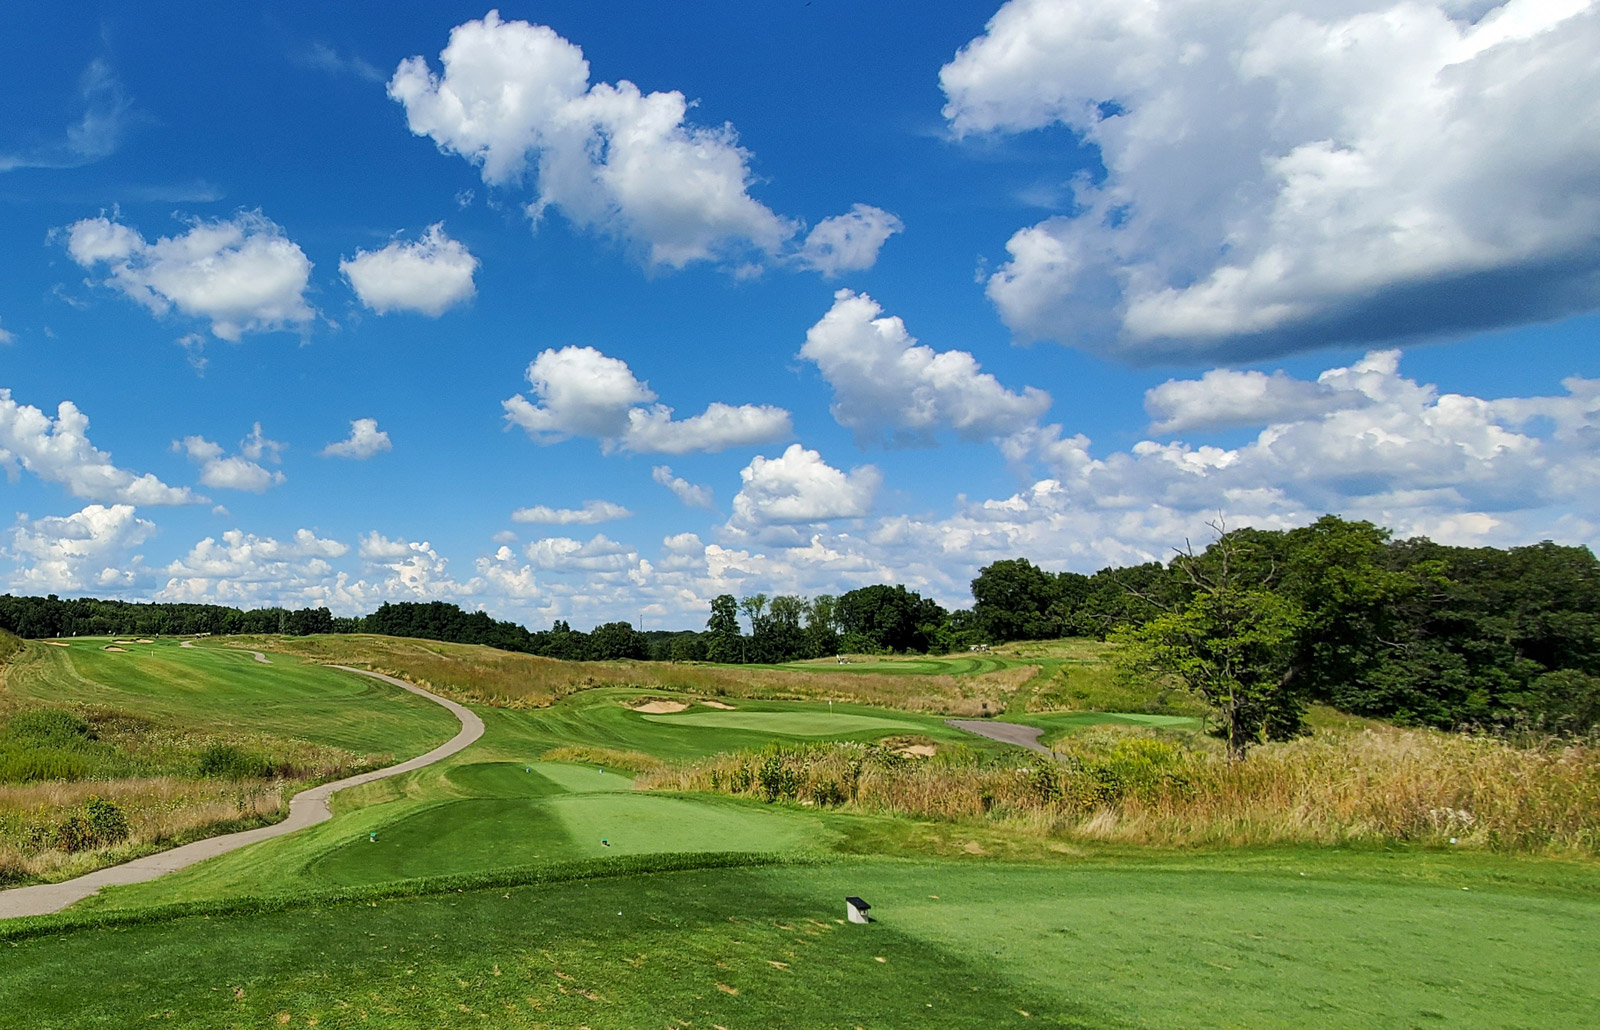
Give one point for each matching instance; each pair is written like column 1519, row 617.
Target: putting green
column 582, row 779
column 637, row 824
column 791, row 724
column 532, row 779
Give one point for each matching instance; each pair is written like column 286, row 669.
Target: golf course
column 557, row 872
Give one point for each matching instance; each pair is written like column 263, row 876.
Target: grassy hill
column 529, row 881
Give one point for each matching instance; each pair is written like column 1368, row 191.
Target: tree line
column 1338, row 612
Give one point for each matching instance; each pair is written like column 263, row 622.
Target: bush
column 74, row 834
column 47, row 728
column 227, row 762
column 106, row 820
column 101, row 825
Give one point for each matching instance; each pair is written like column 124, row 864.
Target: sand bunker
column 124, row 641
column 56, row 643
column 111, row 647
column 924, row 750
column 659, row 707
column 717, row 704
column 142, row 640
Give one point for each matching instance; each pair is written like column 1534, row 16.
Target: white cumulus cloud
column 886, row 385
column 692, row 495
column 1291, row 173
column 582, row 392
column 82, row 551
column 430, row 275
column 799, row 487
column 58, row 451
column 591, row 513
column 241, row 273
column 366, row 440
column 1225, row 397
column 246, row 569
column 242, row 471
column 849, row 242
column 514, row 98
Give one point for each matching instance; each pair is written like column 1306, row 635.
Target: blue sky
column 597, row 311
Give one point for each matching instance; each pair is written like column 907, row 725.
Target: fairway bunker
column 660, row 707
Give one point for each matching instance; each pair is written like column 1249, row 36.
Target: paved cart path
column 1006, row 732
column 307, row 808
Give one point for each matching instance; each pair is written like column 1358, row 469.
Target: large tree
column 1012, row 600
column 1231, row 642
column 724, row 642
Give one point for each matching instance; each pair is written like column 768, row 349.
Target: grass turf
column 815, row 722
column 1176, row 943
column 226, row 690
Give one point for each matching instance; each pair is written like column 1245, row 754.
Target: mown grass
column 484, row 808
column 956, row 944
column 504, row 679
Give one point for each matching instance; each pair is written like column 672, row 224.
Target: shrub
column 106, row 821
column 101, row 825
column 47, row 728
column 74, row 834
column 227, row 762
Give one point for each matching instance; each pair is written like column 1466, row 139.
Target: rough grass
column 504, row 679
column 161, row 812
column 1179, row 790
column 178, row 739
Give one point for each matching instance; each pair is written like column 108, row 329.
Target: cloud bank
column 1287, row 174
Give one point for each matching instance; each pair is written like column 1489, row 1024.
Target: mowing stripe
column 416, row 887
column 307, row 808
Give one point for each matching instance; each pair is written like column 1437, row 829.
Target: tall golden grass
column 160, row 811
column 1377, row 785
column 509, row 680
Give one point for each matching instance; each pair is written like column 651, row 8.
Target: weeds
column 1122, row 785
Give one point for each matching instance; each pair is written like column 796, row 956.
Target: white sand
column 659, row 707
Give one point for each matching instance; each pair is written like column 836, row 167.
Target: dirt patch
column 972, row 847
column 922, row 750
column 113, row 647
column 717, row 704
column 659, row 707
column 54, row 643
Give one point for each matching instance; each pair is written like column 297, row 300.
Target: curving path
column 1005, row 732
column 307, row 808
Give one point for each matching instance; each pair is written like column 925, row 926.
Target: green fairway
column 1180, row 943
column 813, row 723
column 1058, row 724
column 225, row 690
column 563, row 812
